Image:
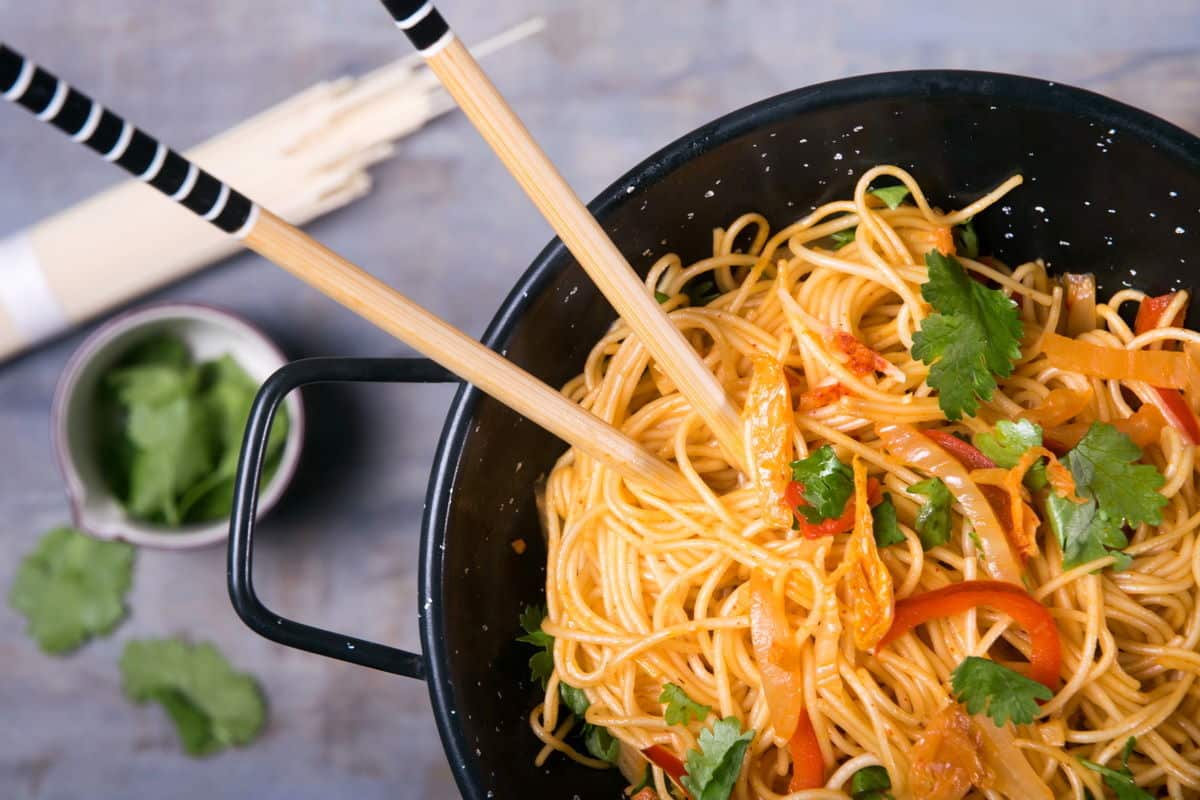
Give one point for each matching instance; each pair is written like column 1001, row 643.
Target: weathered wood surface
column 603, row 87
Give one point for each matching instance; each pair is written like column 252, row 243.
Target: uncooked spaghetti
column 963, row 560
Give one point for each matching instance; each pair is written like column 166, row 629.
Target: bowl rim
column 466, row 766
column 96, row 342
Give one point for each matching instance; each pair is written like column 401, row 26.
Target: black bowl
column 1109, row 189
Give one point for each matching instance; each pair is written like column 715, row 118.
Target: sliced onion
column 907, row 443
column 1080, row 301
column 1010, row 771
column 776, row 655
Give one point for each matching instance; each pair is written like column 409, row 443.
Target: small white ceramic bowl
column 209, row 333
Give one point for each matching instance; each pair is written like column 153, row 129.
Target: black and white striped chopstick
column 422, row 23
column 141, row 155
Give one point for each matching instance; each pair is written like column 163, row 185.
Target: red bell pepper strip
column 665, row 760
column 808, row 765
column 794, row 497
column 1174, row 407
column 965, row 453
column 1045, row 657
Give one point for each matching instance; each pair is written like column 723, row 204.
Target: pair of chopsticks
column 117, row 141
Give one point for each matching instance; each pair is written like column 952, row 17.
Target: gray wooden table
column 606, row 85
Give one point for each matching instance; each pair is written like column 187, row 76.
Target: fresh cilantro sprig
column 974, row 337
column 966, row 239
column 828, row 484
column 71, row 587
column 886, row 526
column 212, row 705
column 892, row 196
column 681, row 709
column 933, row 519
column 1121, row 780
column 842, row 238
column 984, row 686
column 713, row 768
column 871, row 783
column 597, row 739
column 1118, row 492
column 541, row 663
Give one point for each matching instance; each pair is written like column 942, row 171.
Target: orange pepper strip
column 808, row 767
column 1159, row 368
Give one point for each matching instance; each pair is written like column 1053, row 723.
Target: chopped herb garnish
column 966, row 238
column 886, row 526
column 893, row 196
column 681, row 709
column 828, row 484
column 1121, row 780
column 984, row 686
column 842, row 238
column 871, row 783
column 933, row 519
column 701, row 291
column 974, row 337
column 541, row 663
column 661, row 297
column 713, row 769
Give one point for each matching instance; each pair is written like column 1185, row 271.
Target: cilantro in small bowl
column 148, row 423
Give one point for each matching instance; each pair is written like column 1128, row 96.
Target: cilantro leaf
column 933, row 519
column 1104, row 462
column 541, row 663
column 646, row 781
column 967, row 239
column 1009, row 441
column 893, row 196
column 701, row 291
column 871, row 783
column 575, row 699
column 984, row 686
column 713, row 768
column 842, row 238
column 887, row 528
column 661, row 297
column 212, row 706
column 1117, row 492
column 974, row 336
column 170, row 431
column 1121, row 780
column 71, row 587
column 601, row 744
column 680, row 707
column 828, row 484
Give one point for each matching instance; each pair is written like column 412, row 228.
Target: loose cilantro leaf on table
column 212, row 705
column 680, row 708
column 828, row 484
column 933, row 519
column 1121, row 780
column 984, row 686
column 871, row 783
column 169, row 432
column 842, row 238
column 886, row 526
column 71, row 587
column 974, row 337
column 713, row 768
column 893, row 196
column 541, row 663
column 1117, row 491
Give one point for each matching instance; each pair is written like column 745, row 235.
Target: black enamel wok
column 1109, row 189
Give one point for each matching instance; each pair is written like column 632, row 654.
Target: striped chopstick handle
column 422, row 23
column 141, row 155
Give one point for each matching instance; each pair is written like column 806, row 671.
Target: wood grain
column 383, row 306
column 510, row 139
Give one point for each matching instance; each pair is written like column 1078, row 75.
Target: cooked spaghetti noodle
column 776, row 627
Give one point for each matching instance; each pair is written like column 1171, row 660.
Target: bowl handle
column 258, row 617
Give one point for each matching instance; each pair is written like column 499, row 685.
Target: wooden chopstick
column 76, row 114
column 500, row 127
